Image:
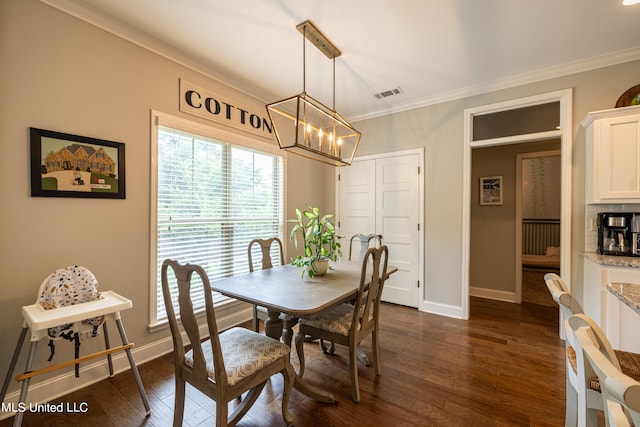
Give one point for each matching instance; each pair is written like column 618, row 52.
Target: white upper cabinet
column 613, row 155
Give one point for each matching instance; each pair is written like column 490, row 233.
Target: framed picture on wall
column 65, row 165
column 491, row 190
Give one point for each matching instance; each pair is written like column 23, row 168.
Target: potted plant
column 320, row 242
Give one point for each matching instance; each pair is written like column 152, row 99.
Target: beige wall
column 439, row 128
column 541, row 195
column 62, row 74
column 59, row 73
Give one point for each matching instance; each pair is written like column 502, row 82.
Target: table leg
column 273, row 327
column 287, row 331
column 312, row 391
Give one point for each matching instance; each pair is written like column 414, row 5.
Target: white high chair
column 77, row 313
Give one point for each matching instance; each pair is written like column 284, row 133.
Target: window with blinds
column 213, row 198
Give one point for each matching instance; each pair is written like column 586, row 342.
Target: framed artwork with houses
column 65, row 165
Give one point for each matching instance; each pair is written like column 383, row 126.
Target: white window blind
column 213, row 198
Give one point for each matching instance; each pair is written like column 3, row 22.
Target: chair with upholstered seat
column 349, row 325
column 225, row 365
column 583, row 398
column 365, row 242
column 620, row 393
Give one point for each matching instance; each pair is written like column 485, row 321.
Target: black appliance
column 618, row 233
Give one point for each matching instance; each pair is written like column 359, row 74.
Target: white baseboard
column 442, row 309
column 492, row 294
column 90, row 373
column 456, row 311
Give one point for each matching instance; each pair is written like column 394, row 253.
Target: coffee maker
column 618, row 233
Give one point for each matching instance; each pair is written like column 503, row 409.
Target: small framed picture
column 64, row 165
column 491, row 190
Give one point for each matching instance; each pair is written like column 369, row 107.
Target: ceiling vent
column 389, row 92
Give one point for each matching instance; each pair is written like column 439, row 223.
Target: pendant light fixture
column 305, row 126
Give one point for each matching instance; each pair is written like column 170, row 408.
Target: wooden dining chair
column 620, row 393
column 365, row 241
column 583, row 397
column 225, row 365
column 265, row 245
column 349, row 325
column 260, row 313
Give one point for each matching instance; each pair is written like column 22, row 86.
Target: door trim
column 422, row 294
column 564, row 134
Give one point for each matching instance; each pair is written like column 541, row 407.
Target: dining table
column 285, row 289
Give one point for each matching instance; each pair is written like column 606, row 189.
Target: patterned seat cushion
column 68, row 286
column 629, row 364
column 336, row 319
column 244, row 352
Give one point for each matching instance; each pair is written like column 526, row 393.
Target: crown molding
column 574, row 67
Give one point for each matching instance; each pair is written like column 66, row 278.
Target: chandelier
column 305, row 126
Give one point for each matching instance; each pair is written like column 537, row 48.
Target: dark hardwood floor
column 503, row 367
column 534, row 290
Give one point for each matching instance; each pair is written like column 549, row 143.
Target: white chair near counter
column 583, row 398
column 620, row 393
column 76, row 312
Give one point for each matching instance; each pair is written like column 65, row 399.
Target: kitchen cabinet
column 619, row 322
column 622, row 324
column 613, row 155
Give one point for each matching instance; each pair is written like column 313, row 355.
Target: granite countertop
column 616, row 261
column 628, row 293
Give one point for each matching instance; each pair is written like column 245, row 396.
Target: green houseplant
column 319, row 239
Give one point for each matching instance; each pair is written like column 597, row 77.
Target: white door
column 397, row 221
column 357, row 201
column 383, row 196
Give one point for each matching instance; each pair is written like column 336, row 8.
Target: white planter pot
column 321, row 267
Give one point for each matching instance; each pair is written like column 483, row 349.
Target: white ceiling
column 434, row 50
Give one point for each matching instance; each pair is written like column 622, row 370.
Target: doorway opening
column 499, row 237
column 508, row 117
